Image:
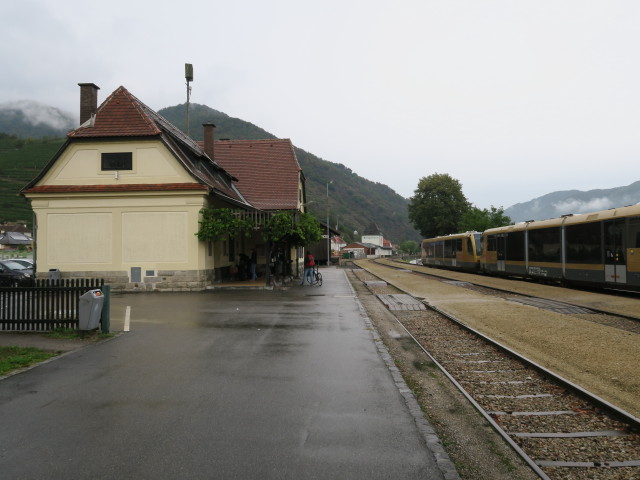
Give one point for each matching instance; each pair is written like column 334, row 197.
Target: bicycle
column 317, row 276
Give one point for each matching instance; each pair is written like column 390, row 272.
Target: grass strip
column 14, row 358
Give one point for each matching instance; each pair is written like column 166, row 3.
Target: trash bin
column 90, row 309
column 54, row 274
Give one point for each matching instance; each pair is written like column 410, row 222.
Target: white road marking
column 127, row 319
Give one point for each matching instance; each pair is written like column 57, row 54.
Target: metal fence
column 47, row 305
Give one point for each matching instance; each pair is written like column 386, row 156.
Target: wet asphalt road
column 222, row 384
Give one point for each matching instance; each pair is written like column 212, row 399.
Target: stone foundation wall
column 163, row 281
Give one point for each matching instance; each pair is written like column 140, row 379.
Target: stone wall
column 163, row 281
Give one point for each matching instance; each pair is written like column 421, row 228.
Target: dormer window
column 117, row 161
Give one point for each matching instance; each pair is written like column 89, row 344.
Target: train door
column 501, row 251
column 615, row 264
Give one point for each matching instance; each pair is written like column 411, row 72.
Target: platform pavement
column 288, row 383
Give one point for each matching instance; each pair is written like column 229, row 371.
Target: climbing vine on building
column 220, row 222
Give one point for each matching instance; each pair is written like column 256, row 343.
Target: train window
column 491, row 243
column 477, row 237
column 515, row 246
column 544, row 245
column 458, row 245
column 469, row 245
column 584, row 243
column 633, row 240
column 448, row 249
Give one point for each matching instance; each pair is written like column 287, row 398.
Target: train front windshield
column 478, row 240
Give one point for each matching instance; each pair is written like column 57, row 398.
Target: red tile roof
column 268, row 171
column 120, row 115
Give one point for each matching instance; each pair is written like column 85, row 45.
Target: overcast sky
column 514, row 98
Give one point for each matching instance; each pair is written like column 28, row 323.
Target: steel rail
column 622, row 415
column 504, row 290
column 616, row 411
column 619, row 413
column 476, row 405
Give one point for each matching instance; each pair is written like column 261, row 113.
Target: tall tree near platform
column 481, row 220
column 438, row 205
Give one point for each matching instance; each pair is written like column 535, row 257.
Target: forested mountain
column 20, row 162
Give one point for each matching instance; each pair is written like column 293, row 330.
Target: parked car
column 25, row 262
column 14, row 274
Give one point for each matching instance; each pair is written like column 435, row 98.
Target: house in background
column 337, row 243
column 19, row 227
column 121, row 200
column 373, row 236
column 15, row 241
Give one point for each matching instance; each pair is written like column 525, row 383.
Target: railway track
column 561, row 430
column 630, row 323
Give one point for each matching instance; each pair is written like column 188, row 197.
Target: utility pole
column 188, row 75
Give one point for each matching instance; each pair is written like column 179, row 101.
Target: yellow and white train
column 599, row 248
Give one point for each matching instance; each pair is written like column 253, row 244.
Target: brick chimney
column 88, row 101
column 209, row 134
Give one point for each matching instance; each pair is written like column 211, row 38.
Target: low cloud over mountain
column 561, row 203
column 25, row 118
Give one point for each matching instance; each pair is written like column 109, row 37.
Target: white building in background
column 373, row 236
column 337, row 243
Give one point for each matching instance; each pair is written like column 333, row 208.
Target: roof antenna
column 188, row 75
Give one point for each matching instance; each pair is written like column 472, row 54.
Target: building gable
column 127, row 143
column 83, row 164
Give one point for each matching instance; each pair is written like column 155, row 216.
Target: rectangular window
column 477, row 237
column 634, row 233
column 449, row 249
column 584, row 243
column 515, row 246
column 544, row 245
column 117, row 161
column 491, row 243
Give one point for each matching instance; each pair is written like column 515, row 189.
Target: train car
column 459, row 251
column 600, row 248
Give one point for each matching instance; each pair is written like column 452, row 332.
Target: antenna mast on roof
column 188, row 75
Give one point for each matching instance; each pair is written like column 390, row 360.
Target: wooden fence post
column 105, row 320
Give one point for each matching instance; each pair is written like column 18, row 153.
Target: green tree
column 298, row 230
column 481, row 220
column 409, row 246
column 438, row 205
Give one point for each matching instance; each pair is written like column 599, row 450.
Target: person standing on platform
column 308, row 268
